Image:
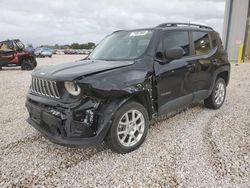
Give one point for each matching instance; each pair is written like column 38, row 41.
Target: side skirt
column 175, row 104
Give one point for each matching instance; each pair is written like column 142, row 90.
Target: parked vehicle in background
column 88, row 51
column 77, row 51
column 30, row 49
column 59, row 52
column 70, row 51
column 13, row 53
column 130, row 78
column 43, row 52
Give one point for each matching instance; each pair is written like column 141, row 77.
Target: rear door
column 203, row 51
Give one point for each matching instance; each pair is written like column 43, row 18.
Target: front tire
column 218, row 95
column 129, row 128
column 27, row 65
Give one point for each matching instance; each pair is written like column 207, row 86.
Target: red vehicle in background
column 13, row 53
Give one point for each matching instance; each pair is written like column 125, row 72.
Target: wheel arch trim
column 225, row 68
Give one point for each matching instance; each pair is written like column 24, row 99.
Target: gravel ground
column 193, row 147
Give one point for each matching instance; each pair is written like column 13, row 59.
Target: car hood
column 71, row 71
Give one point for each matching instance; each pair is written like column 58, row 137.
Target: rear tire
column 129, row 128
column 218, row 95
column 27, row 65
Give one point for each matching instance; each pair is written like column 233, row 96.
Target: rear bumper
column 59, row 126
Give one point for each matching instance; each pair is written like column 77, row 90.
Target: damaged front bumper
column 78, row 124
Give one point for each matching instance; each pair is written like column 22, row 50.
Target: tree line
column 89, row 45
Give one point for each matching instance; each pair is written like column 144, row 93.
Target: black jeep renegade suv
column 130, row 78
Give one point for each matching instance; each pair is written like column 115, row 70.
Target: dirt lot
column 195, row 147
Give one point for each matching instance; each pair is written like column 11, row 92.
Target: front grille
column 45, row 88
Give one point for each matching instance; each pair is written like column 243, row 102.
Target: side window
column 201, row 43
column 173, row 39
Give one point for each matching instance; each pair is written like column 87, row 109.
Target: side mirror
column 174, row 53
column 159, row 57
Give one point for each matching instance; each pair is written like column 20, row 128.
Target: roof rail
column 184, row 24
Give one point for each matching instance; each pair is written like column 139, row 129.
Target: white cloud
column 62, row 21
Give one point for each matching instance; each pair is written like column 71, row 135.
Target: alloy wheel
column 131, row 128
column 219, row 93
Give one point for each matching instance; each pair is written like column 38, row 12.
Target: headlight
column 72, row 88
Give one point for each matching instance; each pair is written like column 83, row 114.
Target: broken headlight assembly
column 72, row 88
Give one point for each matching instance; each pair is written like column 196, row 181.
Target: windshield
column 123, row 45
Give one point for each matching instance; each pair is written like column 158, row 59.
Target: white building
column 236, row 28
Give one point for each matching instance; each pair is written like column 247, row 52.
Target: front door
column 171, row 76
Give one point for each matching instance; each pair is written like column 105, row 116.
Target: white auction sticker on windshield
column 138, row 33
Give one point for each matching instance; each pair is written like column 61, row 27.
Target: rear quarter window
column 201, row 42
